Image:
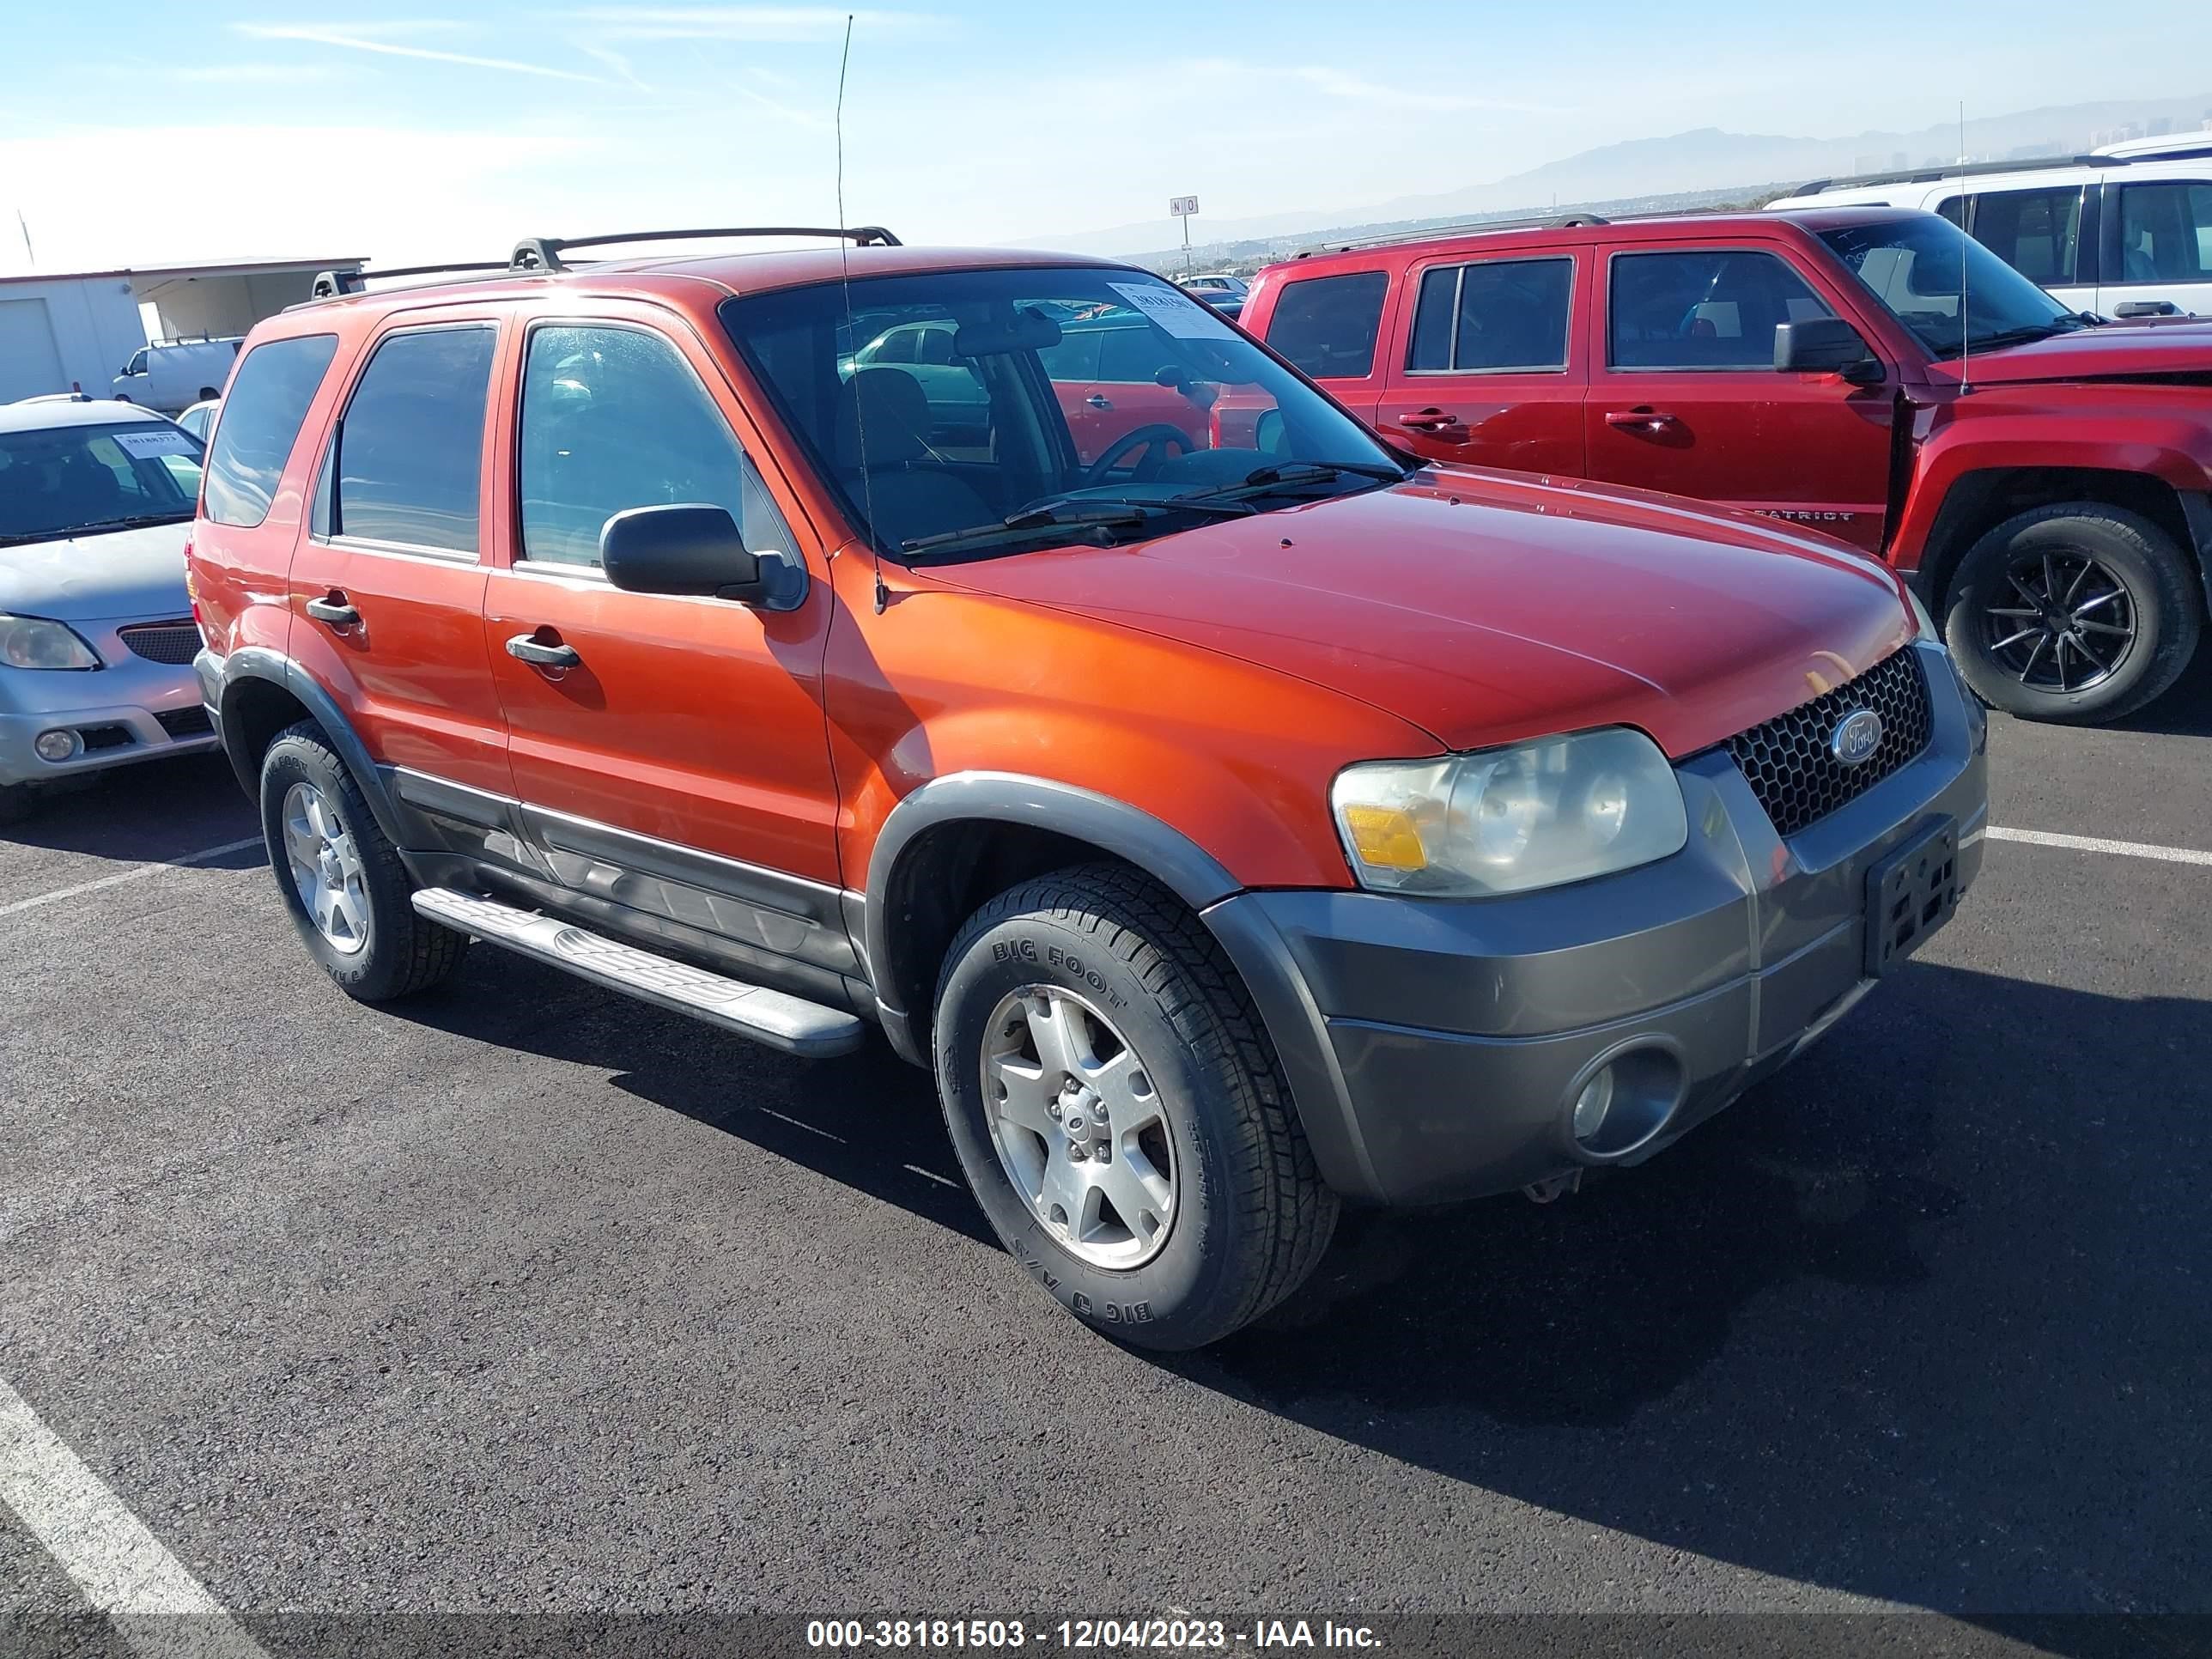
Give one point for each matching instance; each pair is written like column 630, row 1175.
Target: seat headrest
column 889, row 409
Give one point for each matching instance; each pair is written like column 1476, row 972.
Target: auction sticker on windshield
column 1178, row 314
column 146, row 444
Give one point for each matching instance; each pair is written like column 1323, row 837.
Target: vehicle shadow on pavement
column 868, row 1121
column 2185, row 711
column 134, row 814
column 1922, row 1318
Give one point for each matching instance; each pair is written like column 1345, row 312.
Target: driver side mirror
column 1172, row 377
column 686, row 549
column 1825, row 345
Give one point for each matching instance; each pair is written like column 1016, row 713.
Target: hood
column 123, row 575
column 1486, row 608
column 2116, row 352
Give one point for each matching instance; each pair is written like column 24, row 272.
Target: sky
column 430, row 129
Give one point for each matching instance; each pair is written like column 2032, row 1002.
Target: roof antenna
column 1965, row 212
column 845, row 272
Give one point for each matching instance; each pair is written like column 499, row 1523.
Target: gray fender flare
column 256, row 662
column 1185, row 868
column 1179, row 864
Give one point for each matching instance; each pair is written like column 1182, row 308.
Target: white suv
column 2124, row 232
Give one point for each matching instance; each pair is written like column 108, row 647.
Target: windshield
column 954, row 401
column 70, row 480
column 1919, row 268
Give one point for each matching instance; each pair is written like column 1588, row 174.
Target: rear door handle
column 334, row 611
column 1429, row 420
column 528, row 648
column 1640, row 420
column 1098, row 400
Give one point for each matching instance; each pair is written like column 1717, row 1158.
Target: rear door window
column 410, row 444
column 2166, row 232
column 1709, row 308
column 1496, row 316
column 2036, row 232
column 1327, row 326
column 261, row 419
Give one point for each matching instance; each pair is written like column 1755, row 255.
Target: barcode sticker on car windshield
column 146, row 444
column 1178, row 314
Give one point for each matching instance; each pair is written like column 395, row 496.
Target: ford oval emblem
column 1856, row 737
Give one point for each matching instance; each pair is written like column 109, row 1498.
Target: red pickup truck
column 2043, row 478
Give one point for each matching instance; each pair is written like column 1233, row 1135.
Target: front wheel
column 1120, row 1114
column 2077, row 612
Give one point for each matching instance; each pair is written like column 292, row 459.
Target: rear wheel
column 342, row 880
column 2077, row 612
column 1118, row 1113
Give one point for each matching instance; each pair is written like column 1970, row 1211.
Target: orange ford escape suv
column 1238, row 814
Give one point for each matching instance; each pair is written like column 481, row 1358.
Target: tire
column 1249, row 1217
column 17, row 801
column 2159, row 596
column 393, row 951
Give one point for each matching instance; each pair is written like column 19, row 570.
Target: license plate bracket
column 1909, row 894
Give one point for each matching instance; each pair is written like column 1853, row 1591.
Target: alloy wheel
column 1078, row 1125
column 2063, row 624
column 326, row 868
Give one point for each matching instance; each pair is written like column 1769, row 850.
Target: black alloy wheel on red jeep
column 2077, row 612
column 1120, row 1113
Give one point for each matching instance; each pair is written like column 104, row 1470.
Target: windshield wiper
column 1109, row 513
column 2025, row 335
column 1262, row 480
column 135, row 521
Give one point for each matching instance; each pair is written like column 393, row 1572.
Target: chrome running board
column 775, row 1017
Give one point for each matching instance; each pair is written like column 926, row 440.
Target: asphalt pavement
column 530, row 1299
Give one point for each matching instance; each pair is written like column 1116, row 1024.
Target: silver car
column 96, row 632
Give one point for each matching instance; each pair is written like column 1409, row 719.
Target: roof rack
column 1977, row 169
column 334, row 284
column 542, row 253
column 1473, row 226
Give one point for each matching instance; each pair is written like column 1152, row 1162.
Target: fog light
column 1592, row 1104
column 55, row 746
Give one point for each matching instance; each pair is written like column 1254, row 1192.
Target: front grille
column 182, row 723
column 174, row 642
column 1788, row 762
column 104, row 736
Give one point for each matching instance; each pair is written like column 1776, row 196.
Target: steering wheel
column 1146, row 438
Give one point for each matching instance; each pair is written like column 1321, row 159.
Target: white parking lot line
column 138, row 873
column 2126, row 849
column 122, row 1570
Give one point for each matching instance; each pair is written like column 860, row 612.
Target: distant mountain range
column 1682, row 169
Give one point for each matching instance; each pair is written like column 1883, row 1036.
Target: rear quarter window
column 1326, row 325
column 261, row 418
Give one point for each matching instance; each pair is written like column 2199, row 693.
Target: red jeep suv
column 1233, row 829
column 2044, row 479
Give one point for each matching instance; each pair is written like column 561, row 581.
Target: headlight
column 34, row 642
column 1507, row 820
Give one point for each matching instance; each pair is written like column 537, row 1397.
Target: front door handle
column 334, row 611
column 1641, row 419
column 1099, row 400
column 1429, row 420
column 528, row 648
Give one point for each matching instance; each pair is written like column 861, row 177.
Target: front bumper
column 116, row 710
column 1435, row 1048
